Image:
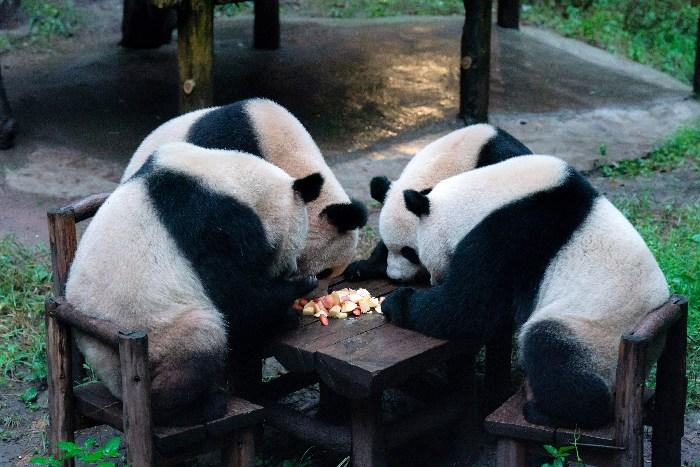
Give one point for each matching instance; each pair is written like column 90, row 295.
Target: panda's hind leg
column 566, row 390
column 187, row 360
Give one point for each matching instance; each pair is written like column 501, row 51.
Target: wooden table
column 355, row 360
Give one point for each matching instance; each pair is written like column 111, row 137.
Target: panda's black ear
column 416, row 202
column 378, row 187
column 346, row 216
column 308, row 187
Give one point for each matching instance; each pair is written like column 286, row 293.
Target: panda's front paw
column 396, row 306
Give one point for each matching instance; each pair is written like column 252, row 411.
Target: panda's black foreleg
column 566, row 390
column 373, row 267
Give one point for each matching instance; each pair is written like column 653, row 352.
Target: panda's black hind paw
column 535, row 416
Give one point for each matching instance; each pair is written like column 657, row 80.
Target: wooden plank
column 368, row 443
column 195, row 53
column 266, row 24
column 286, row 384
column 63, row 241
column 508, row 421
column 136, row 397
column 60, row 382
column 475, row 62
column 87, row 207
column 94, row 401
column 308, row 429
column 509, row 14
column 378, row 358
column 102, row 330
column 659, row 320
column 295, row 350
column 240, row 414
column 671, row 388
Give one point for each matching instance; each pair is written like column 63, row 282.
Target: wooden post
column 136, row 397
column 499, row 351
column 510, row 453
column 64, row 242
column 195, row 53
column 8, row 125
column 332, row 407
column 696, row 77
column 266, row 26
column 671, row 388
column 60, row 381
column 475, row 62
column 240, row 450
column 629, row 400
column 509, row 14
column 368, row 444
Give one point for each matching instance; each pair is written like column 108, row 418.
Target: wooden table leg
column 475, row 62
column 266, row 25
column 332, row 407
column 240, row 451
column 195, row 53
column 368, row 444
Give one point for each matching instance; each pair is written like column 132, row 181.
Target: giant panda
column 198, row 248
column 459, row 151
column 265, row 129
column 530, row 240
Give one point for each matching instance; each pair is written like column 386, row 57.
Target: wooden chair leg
column 195, row 53
column 368, row 446
column 60, row 382
column 510, row 453
column 332, row 407
column 671, row 388
column 475, row 62
column 266, row 26
column 136, row 398
column 240, row 451
column 509, row 14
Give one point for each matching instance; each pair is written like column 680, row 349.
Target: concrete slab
column 371, row 92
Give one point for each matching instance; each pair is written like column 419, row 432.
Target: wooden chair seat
column 95, row 402
column 508, row 421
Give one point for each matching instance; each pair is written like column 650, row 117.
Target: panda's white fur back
column 601, row 284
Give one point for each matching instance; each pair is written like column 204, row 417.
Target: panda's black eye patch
column 323, row 274
column 410, row 254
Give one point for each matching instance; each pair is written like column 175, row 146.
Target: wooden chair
column 75, row 406
column 622, row 442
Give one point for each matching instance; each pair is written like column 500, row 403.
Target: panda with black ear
column 198, row 248
column 395, row 256
column 267, row 130
column 530, row 240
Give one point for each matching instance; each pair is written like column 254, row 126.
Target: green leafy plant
column 29, row 397
column 88, row 453
column 49, row 18
column 560, row 455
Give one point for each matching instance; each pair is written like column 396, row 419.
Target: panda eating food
column 267, row 130
column 198, row 248
column 462, row 150
column 530, row 240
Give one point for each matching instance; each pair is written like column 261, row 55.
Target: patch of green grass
column 25, row 278
column 673, row 235
column 50, row 18
column 383, row 8
column 681, row 149
column 233, row 9
column 660, row 33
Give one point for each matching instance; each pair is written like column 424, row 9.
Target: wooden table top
column 357, row 356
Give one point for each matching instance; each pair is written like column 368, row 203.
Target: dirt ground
column 371, row 92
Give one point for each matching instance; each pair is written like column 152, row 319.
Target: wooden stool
column 72, row 408
column 622, row 442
